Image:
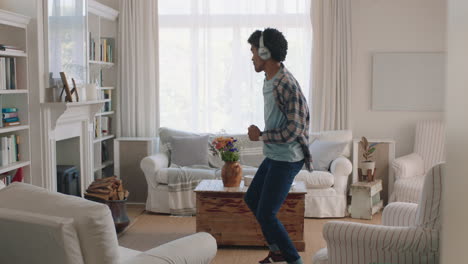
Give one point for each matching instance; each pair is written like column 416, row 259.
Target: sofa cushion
column 92, row 221
column 336, row 136
column 189, row 150
column 324, row 152
column 37, row 238
column 316, row 179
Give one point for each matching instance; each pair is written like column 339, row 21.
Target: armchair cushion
column 408, row 190
column 399, row 214
column 92, row 221
column 411, row 165
column 41, row 238
column 324, row 152
column 189, row 150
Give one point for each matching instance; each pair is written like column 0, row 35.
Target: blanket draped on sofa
column 182, row 182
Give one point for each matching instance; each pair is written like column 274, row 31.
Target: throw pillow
column 189, row 150
column 325, row 152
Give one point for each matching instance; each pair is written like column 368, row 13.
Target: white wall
column 33, row 9
column 391, row 26
column 454, row 209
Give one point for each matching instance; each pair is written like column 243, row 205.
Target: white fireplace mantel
column 63, row 121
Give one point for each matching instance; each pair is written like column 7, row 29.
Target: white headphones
column 263, row 52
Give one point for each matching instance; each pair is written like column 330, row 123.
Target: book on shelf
column 10, row 120
column 105, row 125
column 4, row 47
column 97, row 126
column 8, row 73
column 9, row 149
column 9, row 110
column 10, row 115
column 92, row 47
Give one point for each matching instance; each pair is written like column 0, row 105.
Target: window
column 207, row 79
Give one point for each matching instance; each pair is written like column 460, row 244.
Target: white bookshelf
column 102, row 24
column 13, row 32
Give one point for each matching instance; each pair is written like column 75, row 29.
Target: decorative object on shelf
column 66, row 88
column 367, row 166
column 74, row 90
column 110, row 191
column 231, row 172
column 91, row 92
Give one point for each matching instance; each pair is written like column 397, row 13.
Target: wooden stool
column 365, row 199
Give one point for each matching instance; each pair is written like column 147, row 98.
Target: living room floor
column 148, row 230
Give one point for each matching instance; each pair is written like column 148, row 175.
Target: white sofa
column 326, row 190
column 38, row 226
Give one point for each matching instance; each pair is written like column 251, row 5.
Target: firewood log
column 102, row 191
column 97, row 195
column 121, row 195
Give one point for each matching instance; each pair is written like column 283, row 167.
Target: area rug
column 151, row 230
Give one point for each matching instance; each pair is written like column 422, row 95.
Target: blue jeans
column 266, row 194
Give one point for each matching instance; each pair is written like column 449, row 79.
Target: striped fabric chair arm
column 355, row 243
column 400, row 214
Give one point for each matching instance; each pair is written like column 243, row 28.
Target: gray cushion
column 324, row 152
column 189, row 150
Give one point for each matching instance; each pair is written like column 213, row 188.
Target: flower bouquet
column 227, row 148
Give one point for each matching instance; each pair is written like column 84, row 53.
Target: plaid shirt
column 293, row 105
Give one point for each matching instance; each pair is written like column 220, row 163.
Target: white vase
column 367, row 165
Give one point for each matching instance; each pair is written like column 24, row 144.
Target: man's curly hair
column 273, row 40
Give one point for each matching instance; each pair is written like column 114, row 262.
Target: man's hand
column 254, row 133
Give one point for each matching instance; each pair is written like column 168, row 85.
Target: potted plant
column 368, row 150
column 226, row 147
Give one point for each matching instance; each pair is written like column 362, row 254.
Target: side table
column 365, row 199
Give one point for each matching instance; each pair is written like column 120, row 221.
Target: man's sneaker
column 273, row 258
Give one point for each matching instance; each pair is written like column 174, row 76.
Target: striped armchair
column 409, row 234
column 409, row 170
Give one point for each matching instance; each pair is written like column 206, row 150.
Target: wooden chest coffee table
column 223, row 213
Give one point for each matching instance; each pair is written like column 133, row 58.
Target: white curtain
column 208, row 82
column 138, row 68
column 331, row 22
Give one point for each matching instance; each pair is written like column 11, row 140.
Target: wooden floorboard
column 149, row 230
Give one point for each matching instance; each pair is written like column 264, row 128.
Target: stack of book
column 9, row 150
column 7, row 73
column 10, row 117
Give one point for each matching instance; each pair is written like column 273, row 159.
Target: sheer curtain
column 207, row 79
column 138, row 68
column 331, row 64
